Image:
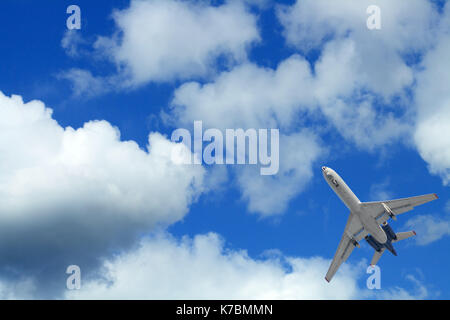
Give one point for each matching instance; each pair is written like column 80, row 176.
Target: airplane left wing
column 377, row 209
column 353, row 233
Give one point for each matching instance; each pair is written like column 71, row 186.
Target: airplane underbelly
column 373, row 228
column 379, row 235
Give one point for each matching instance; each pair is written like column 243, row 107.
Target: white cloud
column 367, row 104
column 70, row 196
column 362, row 75
column 360, row 68
column 23, row 288
column 419, row 292
column 358, row 115
column 432, row 135
column 253, row 97
column 380, row 191
column 72, row 42
column 429, row 228
column 85, row 84
column 248, row 96
column 405, row 28
column 270, row 195
column 291, row 94
column 200, row 268
column 165, row 40
column 309, row 23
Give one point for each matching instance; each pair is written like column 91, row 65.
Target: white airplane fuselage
column 352, row 202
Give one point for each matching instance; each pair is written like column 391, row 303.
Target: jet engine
column 389, row 232
column 373, row 243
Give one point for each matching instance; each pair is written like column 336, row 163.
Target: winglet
column 327, row 280
column 414, row 233
column 436, row 196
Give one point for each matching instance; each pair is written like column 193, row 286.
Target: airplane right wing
column 397, row 206
column 353, row 233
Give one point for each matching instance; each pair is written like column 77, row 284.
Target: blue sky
column 347, row 97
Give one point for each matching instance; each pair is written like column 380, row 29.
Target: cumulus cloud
column 269, row 195
column 429, row 228
column 358, row 114
column 368, row 104
column 202, row 268
column 166, row 40
column 338, row 87
column 291, row 96
column 248, row 96
column 83, row 196
column 70, row 196
column 345, row 86
column 432, row 134
column 405, row 28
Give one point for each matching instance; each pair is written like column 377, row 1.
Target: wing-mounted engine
column 389, row 211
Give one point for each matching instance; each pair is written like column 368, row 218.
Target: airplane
column 368, row 220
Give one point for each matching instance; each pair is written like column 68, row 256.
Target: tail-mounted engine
column 389, row 232
column 373, row 243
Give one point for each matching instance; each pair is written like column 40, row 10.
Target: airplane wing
column 353, row 233
column 397, row 206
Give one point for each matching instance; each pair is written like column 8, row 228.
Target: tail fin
column 376, row 256
column 404, row 235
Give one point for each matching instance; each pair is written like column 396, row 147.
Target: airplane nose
column 324, row 168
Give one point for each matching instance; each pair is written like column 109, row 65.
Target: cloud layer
column 71, row 196
column 167, row 40
column 202, row 268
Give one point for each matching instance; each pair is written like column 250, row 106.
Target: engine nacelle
column 355, row 243
column 389, row 211
column 389, row 232
column 373, row 243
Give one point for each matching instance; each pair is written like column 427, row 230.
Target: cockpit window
column 333, row 180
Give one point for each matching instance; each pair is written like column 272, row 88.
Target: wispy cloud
column 429, row 228
column 380, row 191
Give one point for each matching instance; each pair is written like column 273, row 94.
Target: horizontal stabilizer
column 376, row 256
column 404, row 235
